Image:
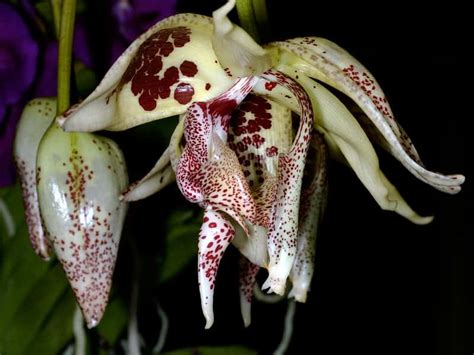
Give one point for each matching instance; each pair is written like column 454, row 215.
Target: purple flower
column 18, row 59
column 21, row 62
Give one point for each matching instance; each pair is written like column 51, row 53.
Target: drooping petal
column 214, row 238
column 329, row 63
column 282, row 232
column 159, row 177
column 313, row 203
column 247, row 277
column 236, row 50
column 162, row 72
column 35, row 120
column 80, row 178
column 350, row 138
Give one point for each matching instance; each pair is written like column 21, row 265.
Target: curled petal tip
column 209, row 321
column 422, row 220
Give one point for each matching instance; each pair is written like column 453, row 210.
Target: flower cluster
column 260, row 179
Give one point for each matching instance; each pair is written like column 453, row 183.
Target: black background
column 382, row 285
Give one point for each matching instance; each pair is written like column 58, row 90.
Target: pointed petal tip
column 275, row 285
column 91, row 322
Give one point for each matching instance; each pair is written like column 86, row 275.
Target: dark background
column 382, row 285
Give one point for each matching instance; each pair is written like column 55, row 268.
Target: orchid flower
column 71, row 184
column 261, row 182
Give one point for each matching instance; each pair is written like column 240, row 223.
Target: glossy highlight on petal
column 35, row 120
column 80, row 178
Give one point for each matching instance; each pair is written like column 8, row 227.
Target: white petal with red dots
column 332, row 65
column 80, row 180
column 214, row 238
column 162, row 72
column 313, row 202
column 35, row 120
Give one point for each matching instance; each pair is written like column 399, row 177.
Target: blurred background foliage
column 401, row 289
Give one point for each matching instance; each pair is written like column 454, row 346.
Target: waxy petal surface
column 313, row 203
column 352, row 141
column 80, row 178
column 214, row 238
column 282, row 232
column 35, row 120
column 325, row 61
column 162, row 72
column 236, row 50
column 247, row 277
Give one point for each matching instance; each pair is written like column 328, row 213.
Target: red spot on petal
column 183, row 93
column 188, row 68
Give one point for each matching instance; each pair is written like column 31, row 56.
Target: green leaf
column 34, row 306
column 57, row 330
column 12, row 209
column 31, row 317
column 181, row 242
column 218, row 350
column 114, row 321
column 20, row 271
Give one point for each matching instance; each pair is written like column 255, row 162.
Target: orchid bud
column 79, row 179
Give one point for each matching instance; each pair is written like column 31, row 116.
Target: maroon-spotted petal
column 248, row 277
column 214, row 238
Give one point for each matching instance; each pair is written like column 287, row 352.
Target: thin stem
column 56, row 7
column 288, row 329
column 65, row 54
column 247, row 18
column 163, row 331
column 79, row 333
column 261, row 17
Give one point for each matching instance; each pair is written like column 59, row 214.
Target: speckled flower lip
column 237, row 152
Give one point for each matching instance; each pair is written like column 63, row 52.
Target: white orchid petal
column 80, row 177
column 350, row 138
column 35, row 120
column 236, row 50
column 214, row 238
column 313, row 203
column 331, row 64
column 247, row 278
column 162, row 72
column 282, row 232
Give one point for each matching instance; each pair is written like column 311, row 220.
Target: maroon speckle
column 145, row 71
column 188, row 68
column 270, row 86
column 208, row 86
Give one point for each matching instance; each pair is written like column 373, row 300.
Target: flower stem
column 56, row 7
column 65, row 53
column 247, row 20
column 261, row 17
